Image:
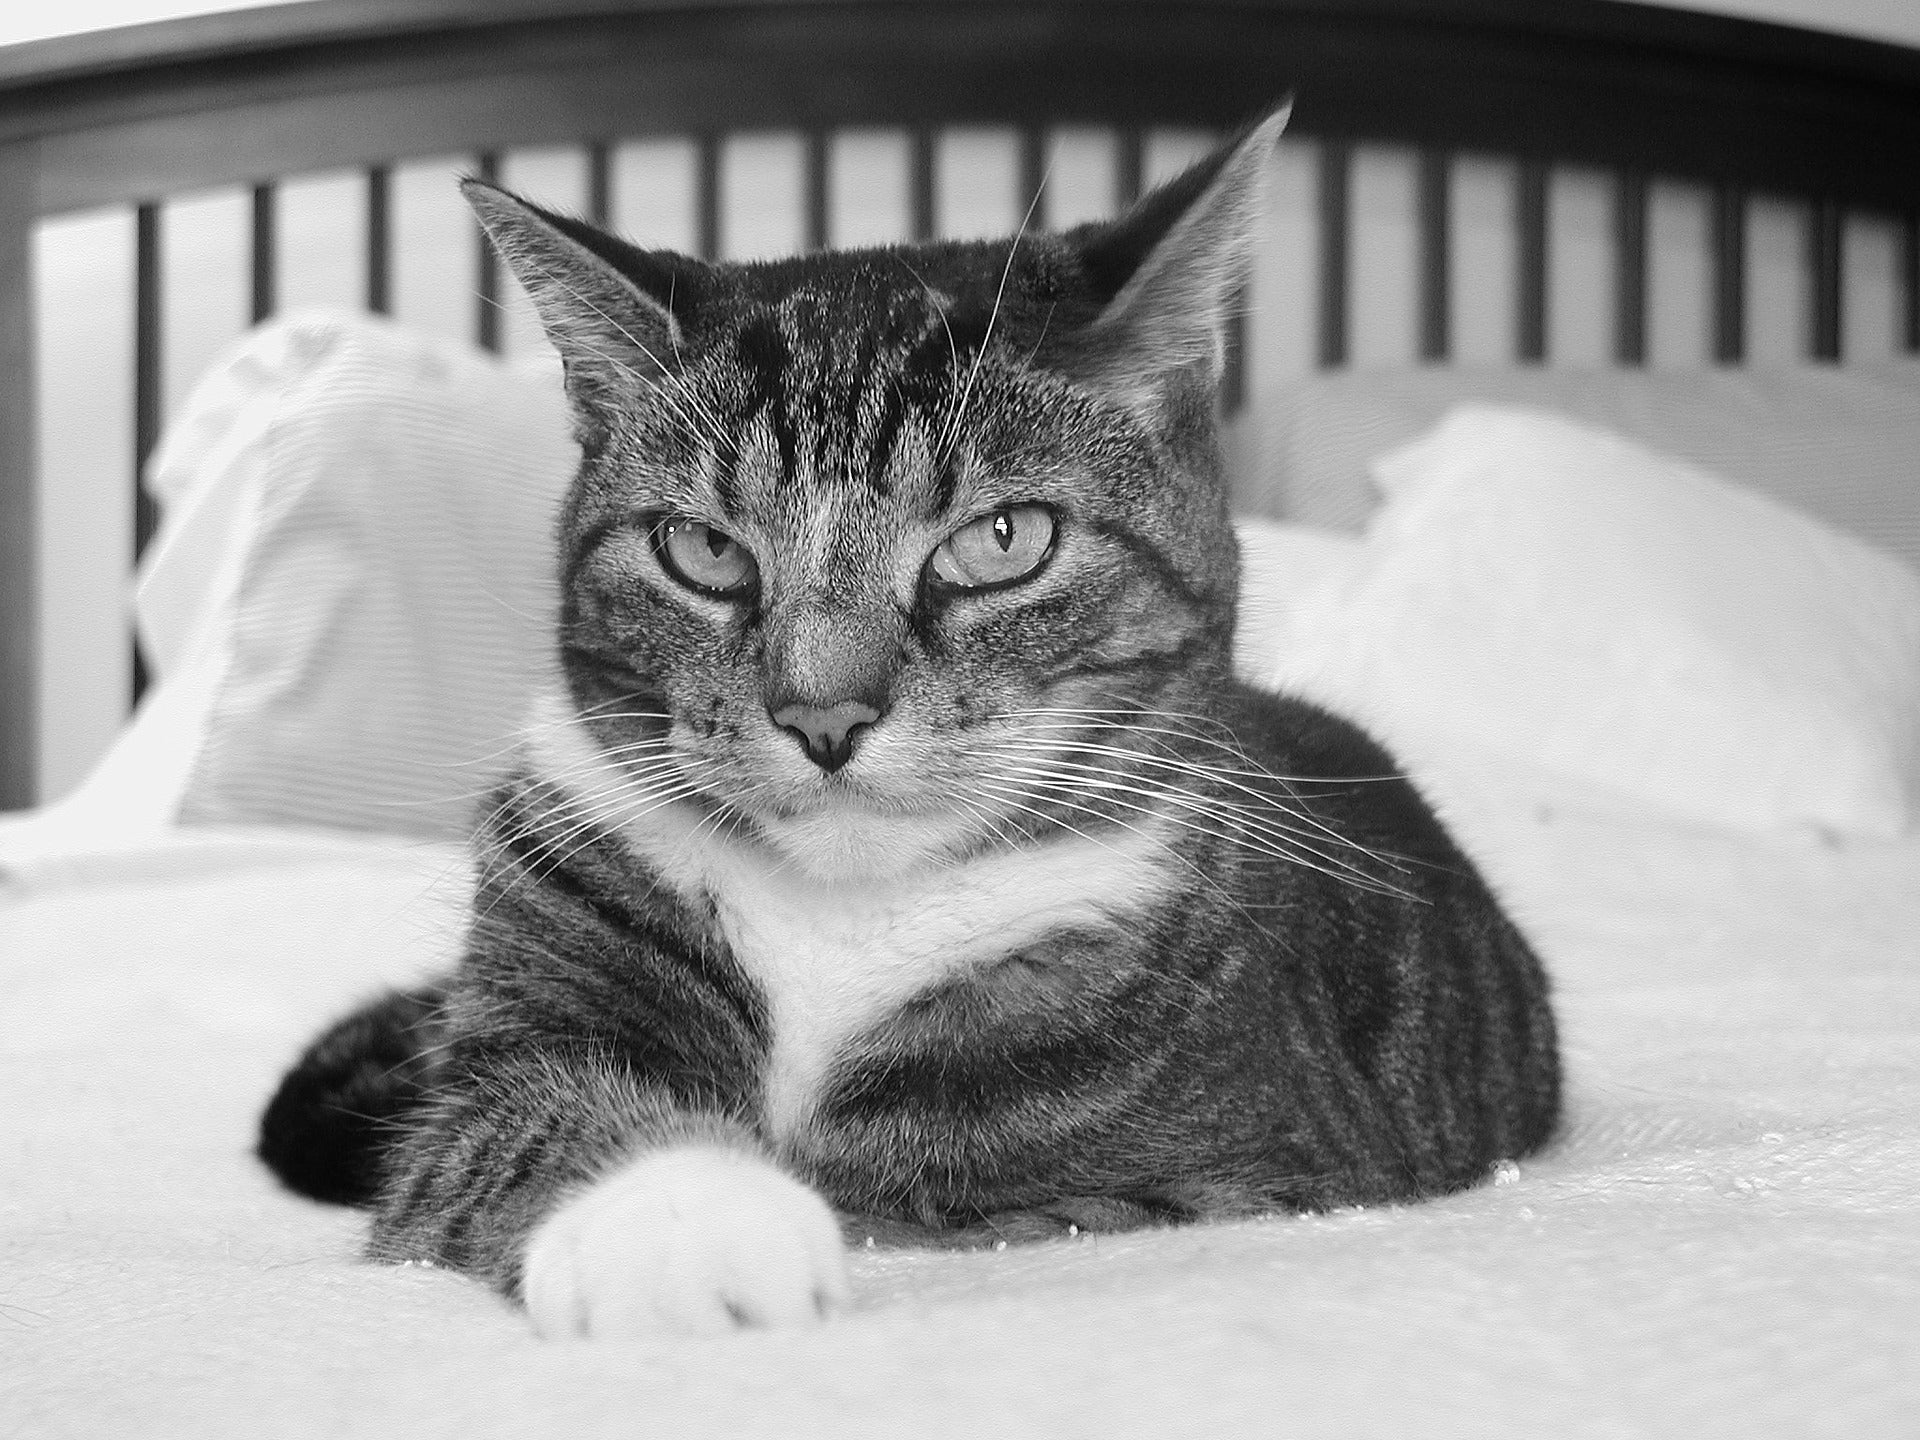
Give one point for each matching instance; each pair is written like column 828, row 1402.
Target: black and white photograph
column 958, row 718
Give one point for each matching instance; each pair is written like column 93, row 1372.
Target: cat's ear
column 1173, row 265
column 614, row 313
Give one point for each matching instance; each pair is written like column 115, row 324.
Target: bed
column 1571, row 422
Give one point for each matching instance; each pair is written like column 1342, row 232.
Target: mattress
column 1724, row 1238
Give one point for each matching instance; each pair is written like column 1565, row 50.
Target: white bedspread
column 1725, row 1240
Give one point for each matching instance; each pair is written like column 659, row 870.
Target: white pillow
column 351, row 596
column 1560, row 594
column 395, row 592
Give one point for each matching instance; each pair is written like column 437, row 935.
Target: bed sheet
column 1724, row 1239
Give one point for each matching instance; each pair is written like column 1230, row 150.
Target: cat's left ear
column 615, row 313
column 1183, row 249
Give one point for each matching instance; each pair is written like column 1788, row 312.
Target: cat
column 901, row 845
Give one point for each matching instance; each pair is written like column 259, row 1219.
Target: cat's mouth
column 877, row 816
column 846, row 839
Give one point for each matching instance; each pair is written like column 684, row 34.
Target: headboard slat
column 1826, row 263
column 1630, row 268
column 1729, row 274
column 148, row 377
column 1436, row 254
column 19, row 507
column 706, row 197
column 819, row 189
column 148, row 380
column 921, row 219
column 599, row 182
column 1130, row 171
column 380, row 239
column 1910, row 282
column 1336, row 246
column 1530, row 273
column 265, row 257
column 1031, row 201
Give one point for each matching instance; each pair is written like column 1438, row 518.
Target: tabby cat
column 902, row 844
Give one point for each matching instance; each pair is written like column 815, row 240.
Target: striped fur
column 1083, row 931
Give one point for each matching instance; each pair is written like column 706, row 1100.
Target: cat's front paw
column 683, row 1240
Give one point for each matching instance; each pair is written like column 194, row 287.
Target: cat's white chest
column 835, row 957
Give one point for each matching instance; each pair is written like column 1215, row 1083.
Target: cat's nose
column 826, row 730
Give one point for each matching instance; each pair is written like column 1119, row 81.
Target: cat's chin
column 851, row 842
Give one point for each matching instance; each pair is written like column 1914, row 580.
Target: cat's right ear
column 1173, row 264
column 613, row 335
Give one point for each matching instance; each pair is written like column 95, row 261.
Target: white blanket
column 1724, row 1240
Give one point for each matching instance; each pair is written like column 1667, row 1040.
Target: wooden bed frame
column 130, row 117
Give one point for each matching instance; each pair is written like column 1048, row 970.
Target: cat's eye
column 704, row 558
column 999, row 549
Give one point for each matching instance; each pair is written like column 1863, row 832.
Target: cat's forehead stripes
column 851, row 387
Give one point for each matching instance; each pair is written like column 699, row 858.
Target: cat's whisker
column 604, row 773
column 1045, row 325
column 628, row 790
column 732, row 811
column 1011, row 795
column 1227, row 779
column 1256, row 770
column 939, row 307
column 1241, row 836
column 553, row 853
column 1160, row 763
column 652, row 748
column 1081, row 727
column 993, row 823
column 1275, row 813
column 1229, row 776
column 600, row 768
column 996, row 823
column 1290, row 851
column 1014, row 793
column 1248, row 819
column 1232, row 746
column 606, row 709
column 666, row 387
column 621, row 803
column 518, row 741
column 952, row 436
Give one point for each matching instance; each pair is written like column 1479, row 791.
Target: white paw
column 683, row 1240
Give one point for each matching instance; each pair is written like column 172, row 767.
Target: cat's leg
column 606, row 1207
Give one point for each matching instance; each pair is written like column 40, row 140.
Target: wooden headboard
column 129, row 118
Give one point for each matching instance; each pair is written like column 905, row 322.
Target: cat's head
column 858, row 537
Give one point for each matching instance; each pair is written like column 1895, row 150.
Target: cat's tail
column 328, row 1128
